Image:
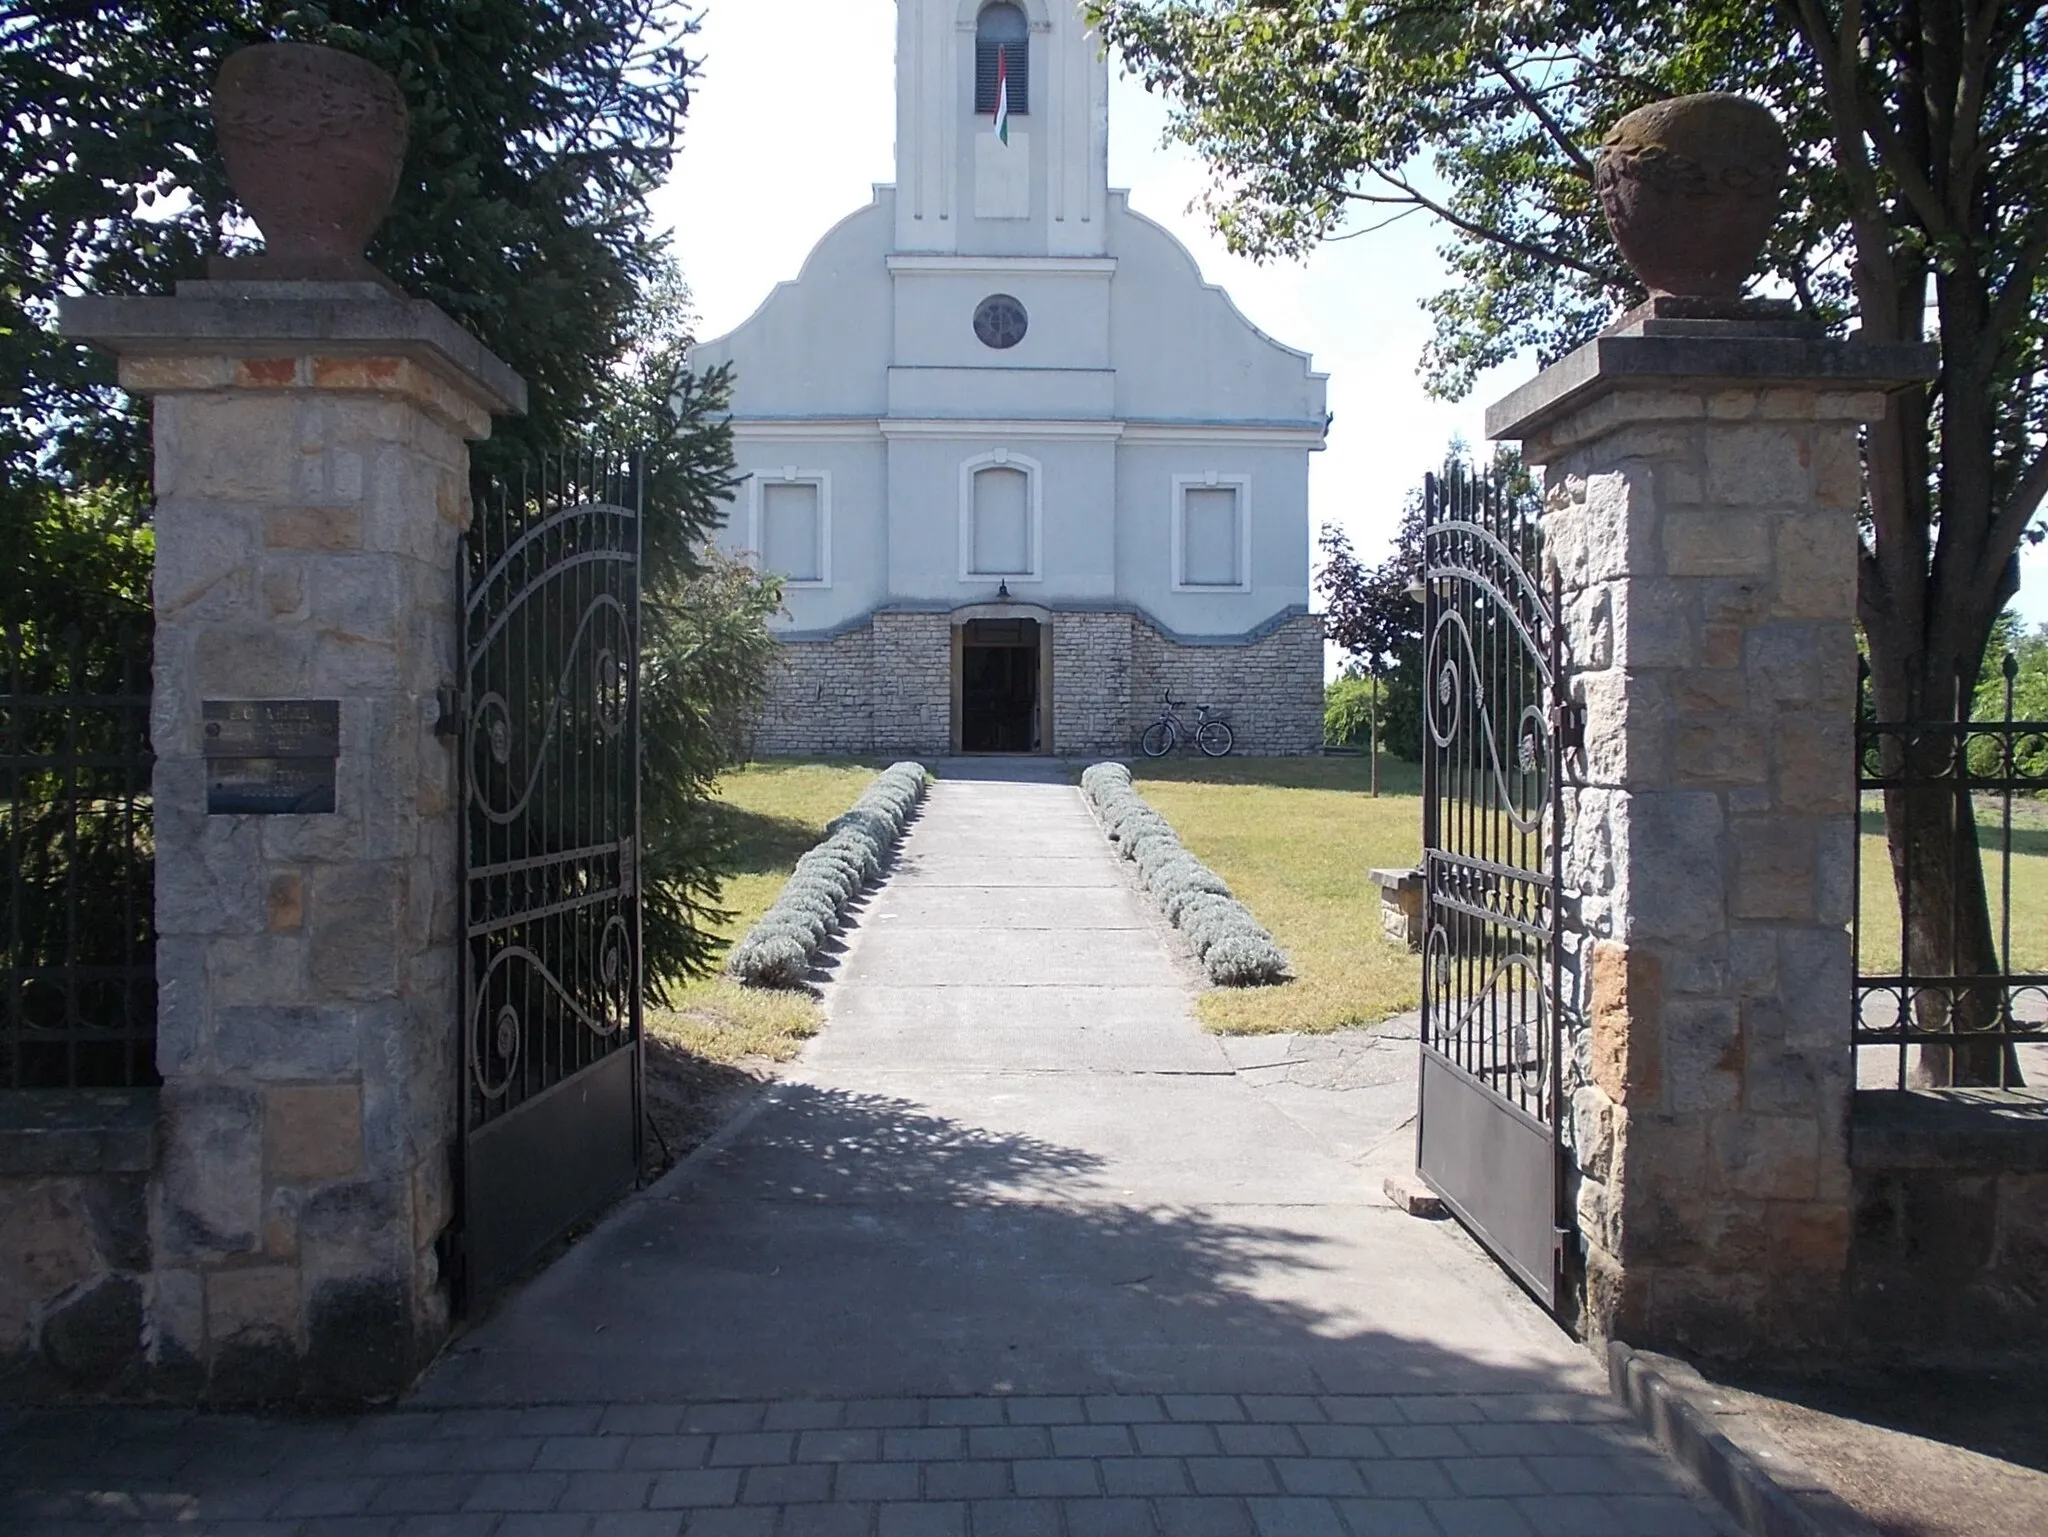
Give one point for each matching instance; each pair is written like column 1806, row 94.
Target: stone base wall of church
column 821, row 699
column 913, row 684
column 885, row 689
column 1091, row 683
column 1270, row 689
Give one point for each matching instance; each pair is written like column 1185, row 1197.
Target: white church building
column 1021, row 469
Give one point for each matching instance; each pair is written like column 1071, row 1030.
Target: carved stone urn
column 1690, row 189
column 313, row 139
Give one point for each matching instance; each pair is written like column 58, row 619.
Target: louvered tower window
column 1001, row 30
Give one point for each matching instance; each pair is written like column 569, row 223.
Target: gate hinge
column 1568, row 725
column 454, row 705
column 452, row 1258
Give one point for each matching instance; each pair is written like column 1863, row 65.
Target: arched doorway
column 1002, row 681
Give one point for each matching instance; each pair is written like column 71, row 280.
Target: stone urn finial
column 1690, row 188
column 313, row 139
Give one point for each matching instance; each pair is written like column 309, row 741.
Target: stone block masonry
column 884, row 687
column 1270, row 688
column 1701, row 498
column 1950, row 1237
column 74, row 1237
column 1092, row 680
column 820, row 699
column 913, row 684
column 312, row 470
column 1710, row 840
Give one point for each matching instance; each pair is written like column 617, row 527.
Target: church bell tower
column 1002, row 145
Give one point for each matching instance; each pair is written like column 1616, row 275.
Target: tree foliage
column 1369, row 612
column 2026, row 657
column 75, row 622
column 1367, row 609
column 1350, row 702
column 536, row 133
column 1917, row 208
column 704, row 639
column 75, row 612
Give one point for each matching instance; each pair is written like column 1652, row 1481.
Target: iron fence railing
column 1942, row 996
column 77, row 937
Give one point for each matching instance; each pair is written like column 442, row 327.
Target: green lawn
column 1295, row 837
column 1880, row 908
column 781, row 807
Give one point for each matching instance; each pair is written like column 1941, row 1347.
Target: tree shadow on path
column 850, row 1259
column 851, row 1244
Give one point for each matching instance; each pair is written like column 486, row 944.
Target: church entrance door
column 999, row 686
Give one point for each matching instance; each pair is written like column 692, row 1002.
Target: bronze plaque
column 271, row 756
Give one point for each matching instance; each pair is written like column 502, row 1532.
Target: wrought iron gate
column 550, row 722
column 1496, row 730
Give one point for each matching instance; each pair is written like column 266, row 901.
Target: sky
column 794, row 120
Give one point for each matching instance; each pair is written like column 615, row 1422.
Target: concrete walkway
column 1015, row 1248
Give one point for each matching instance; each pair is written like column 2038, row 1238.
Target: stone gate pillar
column 1702, row 483
column 311, row 478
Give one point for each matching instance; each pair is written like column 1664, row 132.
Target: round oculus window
column 1000, row 321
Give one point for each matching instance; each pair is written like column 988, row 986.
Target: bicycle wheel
column 1157, row 741
column 1214, row 738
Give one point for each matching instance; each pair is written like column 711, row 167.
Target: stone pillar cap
column 262, row 319
column 1703, row 360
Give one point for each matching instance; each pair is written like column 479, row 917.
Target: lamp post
column 1373, row 727
column 1417, row 592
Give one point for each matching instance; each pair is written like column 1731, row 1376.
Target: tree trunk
column 1927, row 625
column 1945, row 931
column 1926, row 641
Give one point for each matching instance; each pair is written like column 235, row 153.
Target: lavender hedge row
column 1235, row 950
column 777, row 951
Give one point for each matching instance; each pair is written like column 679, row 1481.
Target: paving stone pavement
column 1016, row 1248
column 1295, row 1465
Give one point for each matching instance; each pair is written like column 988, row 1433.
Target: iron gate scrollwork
column 549, row 1047
column 1496, row 728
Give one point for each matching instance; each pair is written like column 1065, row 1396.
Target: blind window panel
column 1002, row 523
column 1210, row 537
column 791, row 544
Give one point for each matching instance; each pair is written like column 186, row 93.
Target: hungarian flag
column 1002, row 95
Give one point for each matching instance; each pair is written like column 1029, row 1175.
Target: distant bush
column 1347, row 711
column 777, row 951
column 1235, row 950
column 2029, row 701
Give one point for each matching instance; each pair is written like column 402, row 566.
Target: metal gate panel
column 1492, row 1165
column 549, row 1040
column 1496, row 729
column 523, row 1193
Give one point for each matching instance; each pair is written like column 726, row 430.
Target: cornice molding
column 784, row 429
column 1245, row 434
column 976, row 428
column 805, row 429
column 1056, row 266
column 1055, row 607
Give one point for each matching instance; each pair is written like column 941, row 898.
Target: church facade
column 1021, row 469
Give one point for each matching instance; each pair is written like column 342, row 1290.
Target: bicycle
column 1212, row 733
